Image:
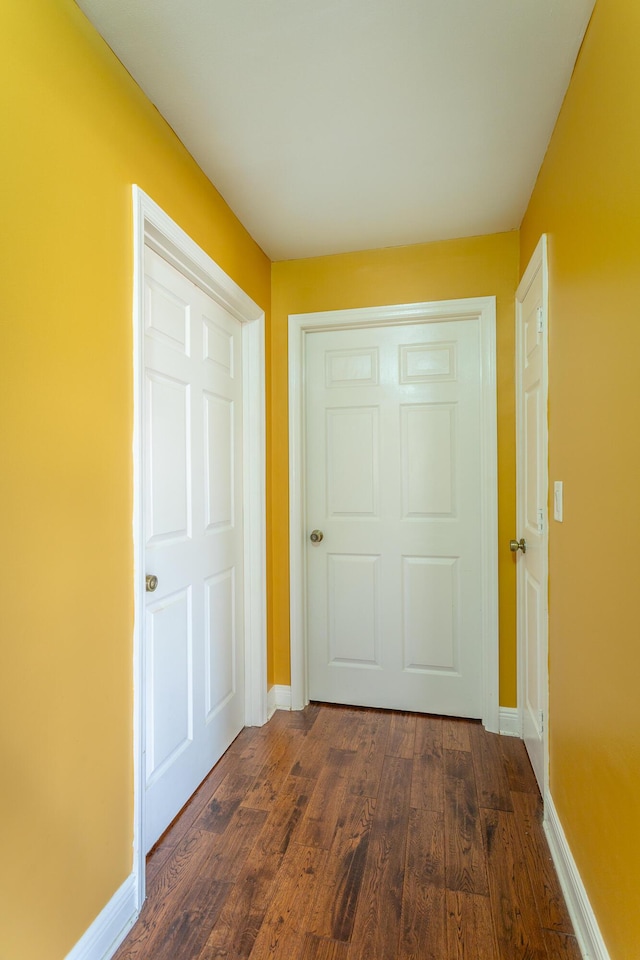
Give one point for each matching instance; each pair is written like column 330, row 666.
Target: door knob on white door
column 316, row 536
column 150, row 582
column 515, row 545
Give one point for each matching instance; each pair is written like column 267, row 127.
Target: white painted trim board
column 279, row 698
column 110, row 927
column 483, row 308
column 510, row 725
column 584, row 921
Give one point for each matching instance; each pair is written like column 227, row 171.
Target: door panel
column 219, row 432
column 394, row 597
column 169, row 665
column 194, row 637
column 220, row 641
column 167, row 315
column 352, row 462
column 427, row 439
column 353, row 630
column 430, row 597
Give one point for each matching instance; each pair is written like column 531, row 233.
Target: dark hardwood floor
column 340, row 833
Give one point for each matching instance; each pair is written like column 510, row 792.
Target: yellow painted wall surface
column 76, row 133
column 588, row 200
column 476, row 267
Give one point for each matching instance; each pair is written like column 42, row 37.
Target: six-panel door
column 193, row 636
column 532, row 517
column 394, row 598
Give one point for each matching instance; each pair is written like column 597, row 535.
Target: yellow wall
column 588, row 200
column 476, row 267
column 76, row 133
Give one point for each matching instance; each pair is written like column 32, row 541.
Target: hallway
column 344, row 833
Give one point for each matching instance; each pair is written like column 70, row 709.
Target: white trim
column 538, row 262
column 110, row 927
column 279, row 698
column 510, row 722
column 152, row 226
column 580, row 910
column 482, row 308
column 255, row 549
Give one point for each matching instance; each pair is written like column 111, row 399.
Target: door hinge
column 540, row 521
column 541, row 722
column 540, row 316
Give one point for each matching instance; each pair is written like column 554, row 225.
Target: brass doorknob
column 316, row 536
column 151, row 582
column 515, row 545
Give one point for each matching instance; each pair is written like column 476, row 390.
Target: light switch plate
column 557, row 500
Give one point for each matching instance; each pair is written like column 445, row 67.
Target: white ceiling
column 335, row 125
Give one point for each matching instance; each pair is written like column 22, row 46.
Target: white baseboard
column 582, row 916
column 110, row 927
column 509, row 722
column 278, row 698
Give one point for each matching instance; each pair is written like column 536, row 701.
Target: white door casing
column 154, row 230
column 532, row 509
column 480, row 312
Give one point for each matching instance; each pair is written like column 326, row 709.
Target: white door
column 393, row 470
column 193, row 537
column 532, row 514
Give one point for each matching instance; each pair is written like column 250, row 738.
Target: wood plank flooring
column 341, row 833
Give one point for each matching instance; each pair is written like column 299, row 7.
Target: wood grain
column 376, row 931
column 354, row 834
column 282, row 931
column 518, row 766
column 516, row 921
column 244, row 911
column 466, row 868
column 190, row 926
column 561, row 946
column 367, row 767
column 402, row 735
column 352, row 720
column 217, row 814
column 492, row 783
column 456, row 733
column 227, row 858
column 318, row 948
column 542, row 875
column 264, row 791
column 323, row 811
column 429, row 734
column 427, row 787
column 423, row 929
column 162, row 850
column 311, row 760
column 470, row 930
column 336, row 899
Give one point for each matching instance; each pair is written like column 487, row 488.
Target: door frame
column 538, row 262
column 154, row 228
column 480, row 308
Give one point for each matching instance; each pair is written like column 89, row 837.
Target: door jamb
column 154, row 228
column 481, row 308
column 538, row 261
